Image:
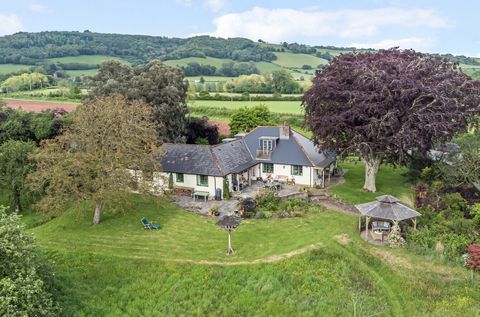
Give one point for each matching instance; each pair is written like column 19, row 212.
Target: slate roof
column 239, row 155
column 233, row 157
column 296, row 150
column 190, row 159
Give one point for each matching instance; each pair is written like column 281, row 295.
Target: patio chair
column 149, row 225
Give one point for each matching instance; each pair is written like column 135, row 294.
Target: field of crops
column 291, row 107
column 86, row 59
column 10, row 68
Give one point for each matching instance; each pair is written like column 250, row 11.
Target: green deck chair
column 148, row 225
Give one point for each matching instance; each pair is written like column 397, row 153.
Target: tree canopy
column 31, row 48
column 248, row 118
column 157, row 84
column 30, row 126
column 388, row 104
column 93, row 159
column 26, row 280
column 14, row 168
column 279, row 81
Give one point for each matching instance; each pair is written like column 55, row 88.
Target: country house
column 264, row 154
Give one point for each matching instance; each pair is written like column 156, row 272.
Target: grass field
column 119, row 269
column 274, row 106
column 86, row 59
column 210, row 78
column 82, row 72
column 291, row 60
column 389, row 181
column 10, row 68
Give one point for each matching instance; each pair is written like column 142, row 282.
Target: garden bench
column 200, row 194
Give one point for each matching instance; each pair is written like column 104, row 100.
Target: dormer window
column 267, row 145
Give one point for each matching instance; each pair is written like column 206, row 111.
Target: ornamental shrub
column 473, row 260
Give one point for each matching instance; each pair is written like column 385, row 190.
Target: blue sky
column 430, row 26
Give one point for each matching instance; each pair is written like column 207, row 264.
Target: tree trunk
column 98, row 213
column 372, row 163
column 16, row 200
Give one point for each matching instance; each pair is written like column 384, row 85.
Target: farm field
column 292, row 107
column 82, row 72
column 292, row 60
column 302, row 266
column 86, row 59
column 217, row 62
column 10, row 68
column 209, row 78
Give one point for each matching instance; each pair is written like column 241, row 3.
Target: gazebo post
column 367, row 219
column 414, row 223
column 360, row 223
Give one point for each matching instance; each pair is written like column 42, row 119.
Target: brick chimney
column 284, row 132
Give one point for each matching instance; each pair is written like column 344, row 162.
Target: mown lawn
column 119, row 269
column 389, row 181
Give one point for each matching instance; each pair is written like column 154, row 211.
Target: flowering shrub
column 395, row 239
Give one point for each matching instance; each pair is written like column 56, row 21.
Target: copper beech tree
column 93, row 159
column 389, row 104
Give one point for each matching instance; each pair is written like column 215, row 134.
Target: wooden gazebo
column 386, row 207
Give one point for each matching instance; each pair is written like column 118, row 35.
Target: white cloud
column 215, row 5
column 9, row 23
column 416, row 43
column 37, row 7
column 277, row 25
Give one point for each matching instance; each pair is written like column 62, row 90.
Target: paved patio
column 230, row 207
column 371, row 239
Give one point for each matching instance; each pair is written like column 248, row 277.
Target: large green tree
column 30, row 126
column 159, row 85
column 248, row 118
column 389, row 104
column 26, row 280
column 93, row 159
column 14, row 168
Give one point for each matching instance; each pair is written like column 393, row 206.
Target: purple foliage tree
column 387, row 104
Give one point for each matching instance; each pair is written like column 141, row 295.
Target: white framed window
column 267, row 145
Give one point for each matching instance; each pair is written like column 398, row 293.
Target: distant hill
column 80, row 53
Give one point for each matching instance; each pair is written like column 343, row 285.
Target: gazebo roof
column 229, row 222
column 387, row 207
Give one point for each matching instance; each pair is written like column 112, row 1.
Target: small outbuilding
column 387, row 208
